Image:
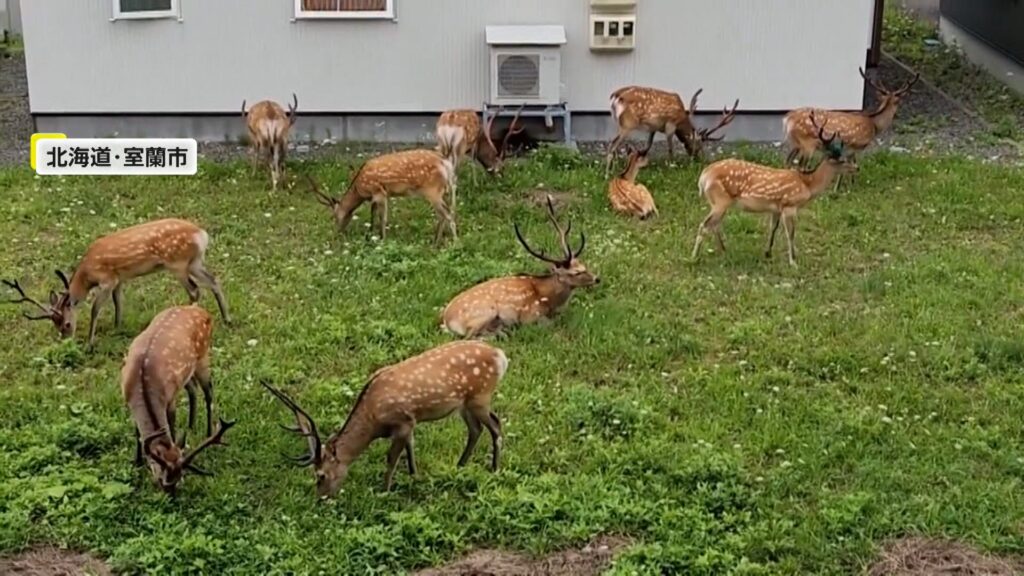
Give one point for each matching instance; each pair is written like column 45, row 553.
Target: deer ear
column 53, row 298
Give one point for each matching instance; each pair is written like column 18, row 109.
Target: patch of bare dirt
column 539, row 197
column 929, row 557
column 590, row 560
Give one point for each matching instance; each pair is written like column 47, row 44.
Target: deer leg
column 789, row 222
column 172, row 416
column 399, row 439
column 612, row 148
column 187, row 282
column 776, row 218
column 102, row 296
column 493, row 424
column 444, row 217
column 138, row 448
column 202, row 376
column 200, row 274
column 650, row 143
column 710, row 223
column 671, row 143
column 409, row 457
column 374, row 214
column 190, row 390
column 474, row 428
column 117, row 296
column 384, row 219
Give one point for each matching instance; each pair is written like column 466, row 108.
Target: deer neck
column 552, row 292
column 355, row 437
column 883, row 118
column 819, row 180
column 630, row 174
column 79, row 286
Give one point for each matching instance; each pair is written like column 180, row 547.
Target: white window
column 127, row 9
column 345, row 9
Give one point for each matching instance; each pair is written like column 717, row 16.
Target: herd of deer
column 173, row 352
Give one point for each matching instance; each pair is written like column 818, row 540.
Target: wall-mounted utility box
column 612, row 24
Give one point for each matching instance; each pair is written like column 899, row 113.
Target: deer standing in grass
column 460, row 376
column 651, row 110
column 857, row 130
column 459, row 135
column 172, row 353
column 780, row 192
column 423, row 173
column 490, row 307
column 177, row 246
column 269, row 125
column 628, row 197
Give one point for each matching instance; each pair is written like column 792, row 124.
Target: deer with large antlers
column 654, row 111
column 857, row 130
column 460, row 376
column 460, row 135
column 171, row 354
column 177, row 246
column 628, row 197
column 490, row 307
column 757, row 188
column 423, row 173
column 268, row 125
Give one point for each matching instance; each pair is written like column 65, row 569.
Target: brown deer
column 490, row 307
column 172, row 353
column 422, row 173
column 459, row 376
column 177, row 246
column 651, row 110
column 269, row 125
column 857, row 130
column 628, row 197
column 459, row 135
column 780, row 192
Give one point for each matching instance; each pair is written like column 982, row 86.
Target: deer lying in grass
column 177, row 246
column 172, row 353
column 459, row 376
column 651, row 110
column 459, row 135
column 269, row 125
column 504, row 302
column 857, row 130
column 422, row 173
column 628, row 197
column 780, row 192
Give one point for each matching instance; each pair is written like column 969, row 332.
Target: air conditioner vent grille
column 519, row 75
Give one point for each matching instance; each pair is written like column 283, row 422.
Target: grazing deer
column 857, row 130
column 626, row 195
column 459, row 135
column 781, row 192
column 413, row 172
column 504, row 302
column 175, row 245
column 172, row 353
column 459, row 376
column 651, row 110
column 269, row 125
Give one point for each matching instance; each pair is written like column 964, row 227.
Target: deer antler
column 320, row 196
column 293, row 108
column 490, row 127
column 244, row 113
column 562, row 233
column 821, row 131
column 874, row 84
column 512, row 130
column 215, row 438
column 693, row 101
column 47, row 311
column 307, row 431
column 727, row 117
column 909, row 85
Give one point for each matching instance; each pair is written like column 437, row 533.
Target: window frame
column 388, row 14
column 173, row 12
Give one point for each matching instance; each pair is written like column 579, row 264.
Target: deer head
column 568, row 269
column 327, row 469
column 888, row 98
column 169, row 463
column 694, row 139
column 490, row 155
column 293, row 108
column 60, row 311
column 834, row 149
column 637, row 159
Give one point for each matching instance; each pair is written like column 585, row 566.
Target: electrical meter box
column 612, row 25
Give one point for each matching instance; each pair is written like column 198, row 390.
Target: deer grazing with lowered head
column 628, row 197
column 172, row 353
column 757, row 188
column 490, row 307
column 177, row 246
column 857, row 130
column 423, row 173
column 269, row 125
column 651, row 110
column 460, row 135
column 460, row 376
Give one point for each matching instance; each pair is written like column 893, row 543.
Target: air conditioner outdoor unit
column 526, row 64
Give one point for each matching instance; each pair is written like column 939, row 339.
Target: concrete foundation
column 419, row 129
column 982, row 54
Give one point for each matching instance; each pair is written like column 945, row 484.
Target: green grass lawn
column 731, row 416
